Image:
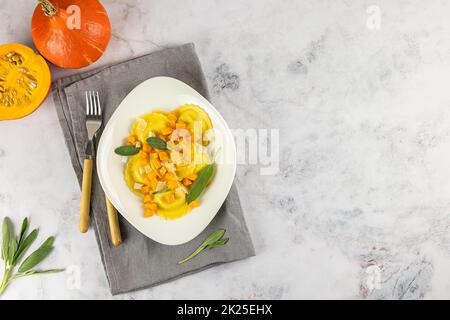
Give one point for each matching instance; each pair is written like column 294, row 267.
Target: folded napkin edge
column 116, row 292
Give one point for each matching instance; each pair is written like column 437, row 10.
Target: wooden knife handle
column 86, row 195
column 113, row 218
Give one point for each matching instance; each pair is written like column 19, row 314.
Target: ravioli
column 157, row 175
column 189, row 113
column 135, row 174
column 149, row 123
column 173, row 209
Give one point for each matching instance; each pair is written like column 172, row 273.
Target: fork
column 93, row 124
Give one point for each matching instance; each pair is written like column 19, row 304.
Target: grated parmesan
column 183, row 188
column 141, row 124
column 161, row 185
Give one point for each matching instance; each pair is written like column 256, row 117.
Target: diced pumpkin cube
column 172, row 184
column 150, row 209
column 151, row 175
column 131, row 140
column 169, row 176
column 180, row 124
column 192, row 176
column 146, row 147
column 153, row 183
column 163, row 156
column 143, row 154
column 169, row 197
column 172, row 118
column 143, row 157
column 147, row 199
column 166, row 131
column 151, row 206
column 149, row 213
column 187, row 182
column 194, row 204
column 158, row 174
column 163, row 171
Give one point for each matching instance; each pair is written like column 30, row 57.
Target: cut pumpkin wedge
column 25, row 81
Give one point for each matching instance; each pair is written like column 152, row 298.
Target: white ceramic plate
column 163, row 93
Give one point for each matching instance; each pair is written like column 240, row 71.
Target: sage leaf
column 157, row 143
column 201, row 182
column 49, row 242
column 12, row 250
column 210, row 241
column 23, row 230
column 37, row 256
column 214, row 237
column 24, row 245
column 33, row 272
column 6, row 238
column 218, row 243
column 127, row 150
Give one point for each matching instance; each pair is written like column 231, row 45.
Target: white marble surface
column 364, row 119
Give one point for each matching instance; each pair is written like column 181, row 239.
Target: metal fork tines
column 93, row 120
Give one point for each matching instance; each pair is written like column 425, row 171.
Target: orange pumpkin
column 24, row 81
column 70, row 33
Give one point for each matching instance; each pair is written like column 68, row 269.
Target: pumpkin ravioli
column 168, row 159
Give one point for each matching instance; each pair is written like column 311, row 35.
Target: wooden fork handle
column 113, row 218
column 86, row 195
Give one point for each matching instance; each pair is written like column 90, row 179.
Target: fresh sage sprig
column 157, row 143
column 14, row 248
column 201, row 182
column 127, row 150
column 214, row 240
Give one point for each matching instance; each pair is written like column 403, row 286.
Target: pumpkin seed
column 13, row 58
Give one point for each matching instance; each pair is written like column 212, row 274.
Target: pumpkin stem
column 48, row 8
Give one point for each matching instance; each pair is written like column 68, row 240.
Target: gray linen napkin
column 140, row 262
